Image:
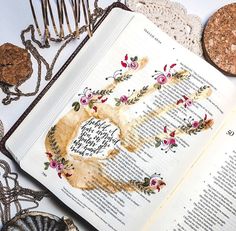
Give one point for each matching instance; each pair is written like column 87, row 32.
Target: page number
column 230, row 133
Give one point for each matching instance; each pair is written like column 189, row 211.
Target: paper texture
column 211, row 202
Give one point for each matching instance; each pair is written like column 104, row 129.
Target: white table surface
column 15, row 16
column 203, row 8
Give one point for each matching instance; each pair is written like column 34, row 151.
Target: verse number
column 230, row 133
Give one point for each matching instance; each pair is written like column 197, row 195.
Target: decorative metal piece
column 11, row 197
column 80, row 10
column 39, row 221
column 1, row 130
column 12, row 194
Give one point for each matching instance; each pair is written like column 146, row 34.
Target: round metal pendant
column 39, row 221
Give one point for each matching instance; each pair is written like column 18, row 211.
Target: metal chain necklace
column 14, row 93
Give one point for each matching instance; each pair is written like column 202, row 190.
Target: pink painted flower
column 169, row 141
column 53, row 164
column 89, row 94
column 124, row 98
column 168, row 75
column 84, row 100
column 188, row 103
column 172, row 141
column 195, row 124
column 161, row 79
column 166, row 141
column 154, row 182
column 60, row 167
column 133, row 65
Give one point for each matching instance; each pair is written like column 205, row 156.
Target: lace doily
column 172, row 18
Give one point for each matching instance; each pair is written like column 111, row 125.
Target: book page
column 134, row 127
column 207, row 198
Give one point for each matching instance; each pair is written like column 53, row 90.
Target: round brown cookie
column 219, row 39
column 15, row 64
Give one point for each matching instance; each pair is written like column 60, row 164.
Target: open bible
column 137, row 133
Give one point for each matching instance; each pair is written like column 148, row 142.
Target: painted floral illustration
column 149, row 185
column 127, row 66
column 122, row 100
column 61, row 165
column 186, row 101
column 56, row 161
column 194, row 126
column 90, row 173
column 191, row 127
column 162, row 77
column 131, row 64
column 131, row 98
column 88, row 98
column 118, row 76
column 168, row 142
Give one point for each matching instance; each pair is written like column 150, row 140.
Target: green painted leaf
column 158, row 142
column 91, row 103
column 76, row 106
column 46, row 165
column 146, row 182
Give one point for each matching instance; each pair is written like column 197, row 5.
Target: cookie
column 15, row 64
column 219, row 39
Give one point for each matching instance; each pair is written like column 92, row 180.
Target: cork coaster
column 15, row 64
column 219, row 39
column 1, row 130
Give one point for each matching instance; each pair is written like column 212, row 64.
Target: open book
column 135, row 134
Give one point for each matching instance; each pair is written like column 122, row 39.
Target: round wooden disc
column 219, row 39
